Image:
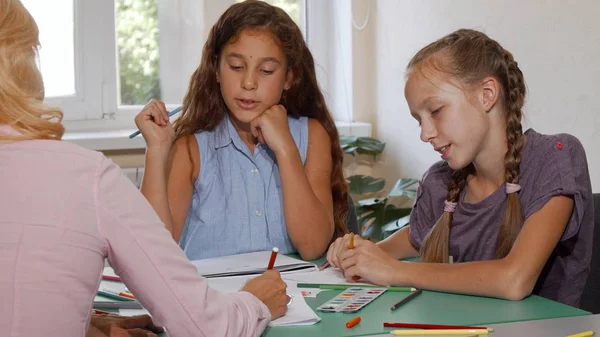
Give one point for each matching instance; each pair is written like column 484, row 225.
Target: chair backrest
column 351, row 219
column 590, row 299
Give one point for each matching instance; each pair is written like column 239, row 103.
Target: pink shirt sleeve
column 154, row 268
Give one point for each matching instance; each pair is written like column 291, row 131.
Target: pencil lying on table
column 346, row 286
column 406, row 299
column 431, row 326
column 440, row 332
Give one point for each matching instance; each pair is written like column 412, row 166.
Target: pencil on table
column 440, row 332
column 273, row 257
column 583, row 334
column 346, row 286
column 406, row 299
column 431, row 326
column 324, row 265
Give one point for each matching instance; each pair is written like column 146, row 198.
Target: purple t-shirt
column 551, row 165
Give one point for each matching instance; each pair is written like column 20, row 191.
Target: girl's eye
column 436, row 111
column 236, row 68
column 268, row 72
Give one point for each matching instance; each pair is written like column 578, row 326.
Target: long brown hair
column 204, row 107
column 470, row 56
column 21, row 85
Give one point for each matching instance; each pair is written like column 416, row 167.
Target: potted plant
column 377, row 216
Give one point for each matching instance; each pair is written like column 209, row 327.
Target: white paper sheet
column 233, row 284
column 327, row 276
column 249, row 264
column 298, row 313
column 133, row 312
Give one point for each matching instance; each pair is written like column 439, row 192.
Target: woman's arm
column 512, row 277
column 153, row 267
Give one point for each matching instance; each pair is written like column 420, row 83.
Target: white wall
column 557, row 45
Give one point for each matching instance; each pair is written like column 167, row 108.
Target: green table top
column 429, row 307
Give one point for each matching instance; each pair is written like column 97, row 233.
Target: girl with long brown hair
column 256, row 160
column 513, row 210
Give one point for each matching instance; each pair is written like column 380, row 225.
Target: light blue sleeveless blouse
column 237, row 203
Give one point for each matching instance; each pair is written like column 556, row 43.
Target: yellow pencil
column 583, row 334
column 434, row 332
column 351, row 243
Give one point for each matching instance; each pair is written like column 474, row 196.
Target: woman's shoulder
column 62, row 151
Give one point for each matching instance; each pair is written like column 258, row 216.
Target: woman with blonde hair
column 64, row 209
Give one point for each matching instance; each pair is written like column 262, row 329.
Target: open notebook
column 250, row 264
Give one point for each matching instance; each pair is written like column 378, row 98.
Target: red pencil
column 100, row 312
column 111, row 278
column 324, row 265
column 273, row 257
column 428, row 326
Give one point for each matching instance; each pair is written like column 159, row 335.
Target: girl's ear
column 490, row 90
column 289, row 77
column 218, row 77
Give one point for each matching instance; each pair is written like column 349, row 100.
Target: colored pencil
column 430, row 326
column 583, row 334
column 406, row 299
column 133, row 135
column 324, row 265
column 438, row 332
column 111, row 278
column 273, row 257
column 346, row 286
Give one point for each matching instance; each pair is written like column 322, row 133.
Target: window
column 103, row 60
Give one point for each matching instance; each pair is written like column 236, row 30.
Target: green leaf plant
column 377, row 216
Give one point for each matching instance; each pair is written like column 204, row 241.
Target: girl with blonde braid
column 513, row 210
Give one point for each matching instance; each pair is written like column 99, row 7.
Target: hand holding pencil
column 336, row 248
column 153, row 122
column 369, row 262
column 271, row 290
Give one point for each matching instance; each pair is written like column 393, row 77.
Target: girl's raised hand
column 153, row 123
column 368, row 261
column 271, row 128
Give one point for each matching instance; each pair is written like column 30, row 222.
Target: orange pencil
column 273, row 257
column 353, row 322
column 351, row 246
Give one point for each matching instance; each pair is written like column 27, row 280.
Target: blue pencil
column 170, row 114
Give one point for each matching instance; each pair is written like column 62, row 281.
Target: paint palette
column 351, row 299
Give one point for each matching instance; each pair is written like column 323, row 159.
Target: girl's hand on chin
column 271, row 128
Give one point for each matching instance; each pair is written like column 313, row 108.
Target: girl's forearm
column 309, row 224
column 154, row 185
column 493, row 278
column 398, row 245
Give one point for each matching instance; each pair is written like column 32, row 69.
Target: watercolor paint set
column 351, row 300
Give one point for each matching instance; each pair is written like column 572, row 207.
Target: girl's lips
column 246, row 104
column 446, row 152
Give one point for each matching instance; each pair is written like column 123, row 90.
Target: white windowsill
column 119, row 139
